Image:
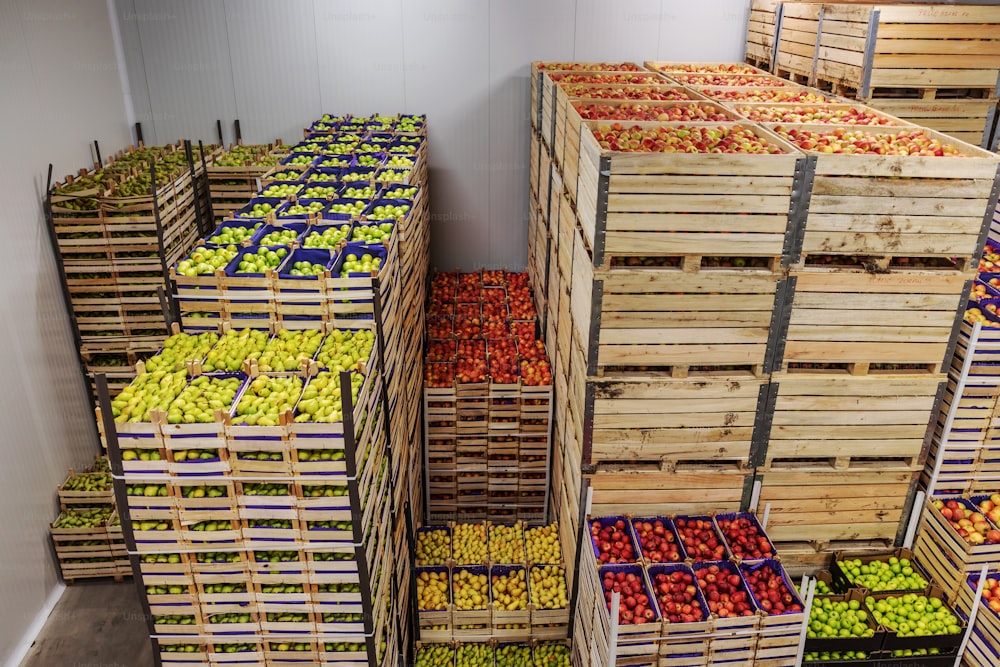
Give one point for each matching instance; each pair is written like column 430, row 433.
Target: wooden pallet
column 820, row 502
column 846, row 421
column 842, row 315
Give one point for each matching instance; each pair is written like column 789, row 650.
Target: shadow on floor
column 95, row 624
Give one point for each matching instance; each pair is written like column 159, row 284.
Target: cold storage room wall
column 61, row 89
column 277, row 65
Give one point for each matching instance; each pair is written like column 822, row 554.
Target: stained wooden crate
column 671, row 318
column 967, row 119
column 885, row 46
column 670, row 204
column 760, row 32
column 893, row 205
column 862, row 316
column 648, row 489
column 796, row 37
column 822, row 502
column 660, row 419
column 846, row 420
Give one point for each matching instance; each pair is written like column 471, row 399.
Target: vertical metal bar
column 121, row 503
column 601, row 224
column 50, row 226
column 866, row 73
column 239, row 132
column 819, row 40
column 357, row 513
column 97, row 152
column 778, row 18
column 218, row 132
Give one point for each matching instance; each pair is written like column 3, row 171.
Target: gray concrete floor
column 96, row 623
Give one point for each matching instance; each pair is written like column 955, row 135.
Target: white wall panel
column 446, row 65
column 360, row 49
column 463, row 62
column 548, row 35
column 186, row 58
column 274, row 69
column 58, row 64
column 624, row 30
column 706, row 31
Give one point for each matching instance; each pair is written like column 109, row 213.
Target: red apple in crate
column 723, row 588
column 677, row 595
column 745, row 539
column 657, row 540
column 770, row 590
column 611, row 540
column 862, row 142
column 700, row 540
column 635, row 606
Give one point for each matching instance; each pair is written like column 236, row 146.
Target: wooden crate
column 656, row 419
column 760, row 32
column 845, row 420
column 898, row 205
column 822, row 503
column 670, row 204
column 668, row 319
column 967, row 119
column 796, row 36
column 885, row 46
column 649, row 490
column 862, row 317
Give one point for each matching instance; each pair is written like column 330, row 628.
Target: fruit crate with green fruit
column 842, row 623
column 897, row 572
column 344, row 650
column 834, row 411
column 88, row 488
column 914, row 621
column 242, row 652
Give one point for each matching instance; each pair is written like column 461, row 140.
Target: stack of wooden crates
column 935, row 65
column 721, row 320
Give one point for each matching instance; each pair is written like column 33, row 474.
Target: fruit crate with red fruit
column 905, row 52
column 816, row 501
column 670, row 195
column 744, row 536
column 735, row 616
column 639, row 621
column 851, row 414
column 908, row 163
column 782, row 610
column 966, row 118
column 684, row 610
column 612, row 540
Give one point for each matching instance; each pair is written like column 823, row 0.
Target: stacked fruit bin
column 490, row 581
column 803, row 260
column 234, row 175
column 694, row 590
column 287, row 530
column 487, row 399
column 115, row 235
